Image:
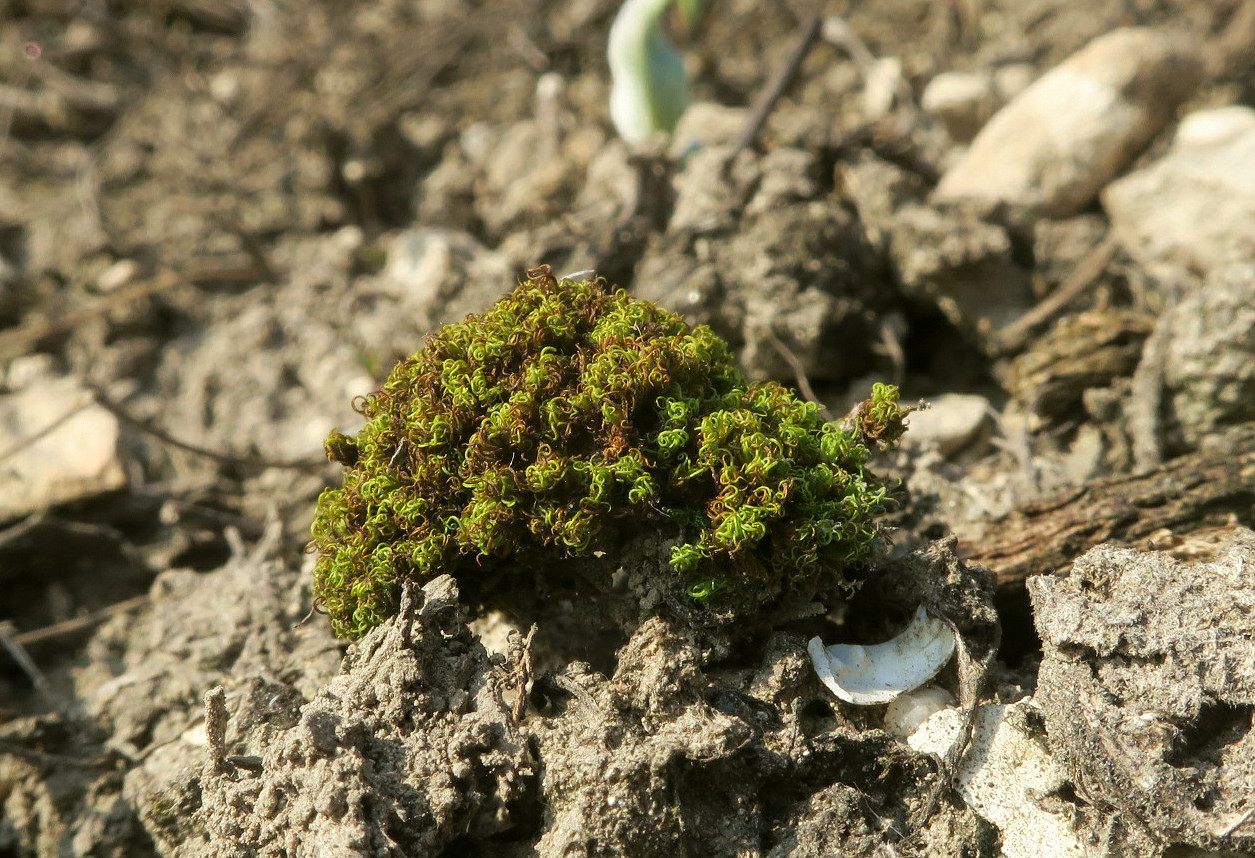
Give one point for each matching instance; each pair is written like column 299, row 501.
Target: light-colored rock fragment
column 56, row 446
column 950, row 423
column 117, row 275
column 882, row 81
column 1053, row 148
column 29, row 369
column 1195, row 207
column 1012, row 79
column 963, row 101
column 1004, row 776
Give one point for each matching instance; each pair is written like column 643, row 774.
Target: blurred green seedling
column 649, row 86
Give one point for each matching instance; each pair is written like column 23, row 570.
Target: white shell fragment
column 866, row 675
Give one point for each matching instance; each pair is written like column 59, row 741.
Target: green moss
column 569, row 413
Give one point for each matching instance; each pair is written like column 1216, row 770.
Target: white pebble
column 907, row 712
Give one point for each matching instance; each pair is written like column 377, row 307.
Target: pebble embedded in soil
column 904, row 714
column 60, row 446
column 965, row 100
column 1004, row 775
column 1054, row 147
column 950, row 423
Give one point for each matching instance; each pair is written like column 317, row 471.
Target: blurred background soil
column 222, row 222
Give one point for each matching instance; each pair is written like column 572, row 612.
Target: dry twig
column 165, row 437
column 799, row 374
column 771, row 94
column 1015, row 336
column 75, row 625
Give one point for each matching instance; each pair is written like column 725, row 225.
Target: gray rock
column 58, row 446
column 1147, row 684
column 1053, row 148
column 1195, row 207
column 961, row 263
column 1209, row 373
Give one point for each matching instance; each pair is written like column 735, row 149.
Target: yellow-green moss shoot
column 566, row 413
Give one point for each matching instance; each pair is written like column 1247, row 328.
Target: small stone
column 962, row 101
column 1053, row 148
column 1195, row 207
column 58, row 446
column 425, row 131
column 882, row 81
column 1084, row 458
column 950, row 423
column 1010, row 80
column 117, row 275
column 226, row 87
column 904, row 714
column 29, row 369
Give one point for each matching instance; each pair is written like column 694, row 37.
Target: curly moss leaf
column 568, row 410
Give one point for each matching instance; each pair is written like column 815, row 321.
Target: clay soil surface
column 220, row 223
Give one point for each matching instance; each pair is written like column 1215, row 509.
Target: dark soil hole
column 817, row 718
column 817, row 709
column 204, row 552
column 1067, row 792
column 377, row 183
column 1202, row 743
column 936, row 349
column 1020, row 641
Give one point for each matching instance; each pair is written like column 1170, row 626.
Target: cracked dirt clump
column 1148, row 688
column 426, row 745
column 412, row 746
column 611, row 762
